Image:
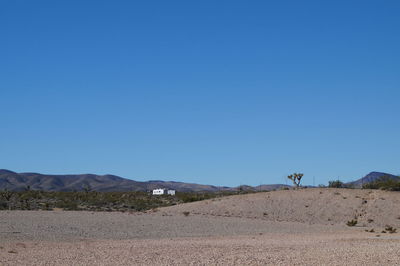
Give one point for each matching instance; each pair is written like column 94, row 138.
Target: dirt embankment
column 312, row 206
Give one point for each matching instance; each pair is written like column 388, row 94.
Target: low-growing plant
column 335, row 184
column 390, row 229
column 352, row 222
column 7, row 195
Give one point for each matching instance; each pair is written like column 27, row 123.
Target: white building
column 163, row 191
column 159, row 191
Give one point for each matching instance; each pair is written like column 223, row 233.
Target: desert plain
column 289, row 227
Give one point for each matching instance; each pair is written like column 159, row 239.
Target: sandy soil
column 227, row 231
column 312, row 206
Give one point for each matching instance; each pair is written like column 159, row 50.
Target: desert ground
column 301, row 227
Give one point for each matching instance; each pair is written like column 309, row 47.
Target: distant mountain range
column 370, row 178
column 21, row 181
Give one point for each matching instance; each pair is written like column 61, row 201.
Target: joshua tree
column 296, row 178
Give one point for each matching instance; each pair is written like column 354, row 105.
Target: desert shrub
column 385, row 183
column 352, row 222
column 3, row 205
column 339, row 184
column 336, row 184
column 7, row 196
column 97, row 201
column 390, row 229
column 67, row 205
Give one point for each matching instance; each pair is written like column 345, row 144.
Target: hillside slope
column 312, row 206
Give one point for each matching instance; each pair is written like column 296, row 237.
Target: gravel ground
column 207, row 236
column 76, row 225
column 352, row 248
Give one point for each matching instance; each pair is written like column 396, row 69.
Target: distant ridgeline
column 10, row 180
column 104, row 183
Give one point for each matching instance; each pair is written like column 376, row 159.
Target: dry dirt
column 305, row 227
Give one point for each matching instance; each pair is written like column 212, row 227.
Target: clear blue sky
column 214, row 92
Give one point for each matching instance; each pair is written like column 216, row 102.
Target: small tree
column 296, row 178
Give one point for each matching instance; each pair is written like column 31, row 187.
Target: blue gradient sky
column 216, row 92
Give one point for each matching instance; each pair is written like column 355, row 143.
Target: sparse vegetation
column 186, row 213
column 339, row 184
column 336, row 184
column 96, row 201
column 352, row 222
column 5, row 197
column 384, row 183
column 390, row 229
